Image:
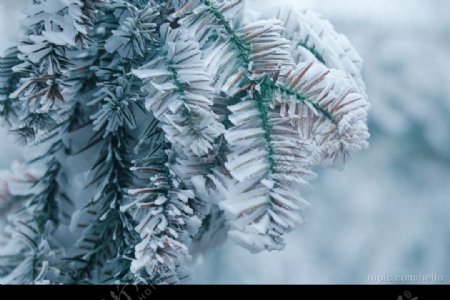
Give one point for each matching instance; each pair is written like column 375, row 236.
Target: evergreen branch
column 165, row 219
column 187, row 116
column 288, row 91
column 315, row 38
column 262, row 162
column 108, row 233
column 40, row 218
column 114, row 119
column 44, row 52
column 9, row 109
column 234, row 37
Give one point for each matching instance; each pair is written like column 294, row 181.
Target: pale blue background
column 388, row 211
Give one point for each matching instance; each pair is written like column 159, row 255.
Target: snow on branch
column 164, row 125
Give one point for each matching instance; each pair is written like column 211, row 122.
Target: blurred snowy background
column 388, row 212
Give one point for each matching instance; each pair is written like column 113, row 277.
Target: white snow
column 387, row 212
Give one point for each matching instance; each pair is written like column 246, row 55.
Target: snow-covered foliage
column 153, row 119
column 375, row 217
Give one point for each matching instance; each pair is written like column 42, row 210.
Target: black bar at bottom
column 230, row 292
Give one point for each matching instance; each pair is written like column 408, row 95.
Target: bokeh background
column 388, row 212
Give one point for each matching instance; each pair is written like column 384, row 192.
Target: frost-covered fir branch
column 45, row 206
column 265, row 158
column 163, row 210
column 54, row 27
column 108, row 232
column 223, row 117
column 180, row 96
column 114, row 106
column 45, row 56
column 8, row 83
